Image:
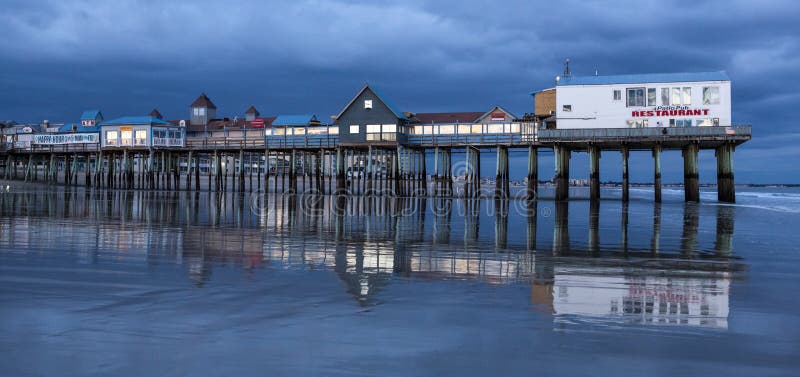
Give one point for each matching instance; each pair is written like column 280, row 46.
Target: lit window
column 687, row 96
column 111, row 137
column 141, row 137
column 567, row 108
column 389, row 128
column 354, row 129
column 635, row 97
column 373, row 128
column 651, row 96
column 617, row 95
column 711, row 95
column 368, row 104
column 333, row 130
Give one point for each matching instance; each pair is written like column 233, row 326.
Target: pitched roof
column 496, row 108
column 68, row 128
column 458, row 117
column 156, row 114
column 397, row 113
column 90, row 114
column 221, row 124
column 644, row 78
column 145, row 120
column 294, row 120
column 203, row 101
column 251, row 110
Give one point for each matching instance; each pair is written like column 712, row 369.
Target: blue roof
column 145, row 120
column 293, row 120
column 90, row 114
column 67, row 128
column 644, row 78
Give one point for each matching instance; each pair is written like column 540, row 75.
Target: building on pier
column 141, row 132
column 369, row 119
column 637, row 101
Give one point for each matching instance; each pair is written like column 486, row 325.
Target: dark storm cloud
column 125, row 57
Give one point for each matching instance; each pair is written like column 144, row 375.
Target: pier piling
column 725, row 186
column 691, row 184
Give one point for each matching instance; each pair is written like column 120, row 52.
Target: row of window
column 641, row 97
column 126, row 137
column 642, row 123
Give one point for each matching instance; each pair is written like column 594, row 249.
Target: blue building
column 141, row 132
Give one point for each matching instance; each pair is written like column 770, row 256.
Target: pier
column 325, row 164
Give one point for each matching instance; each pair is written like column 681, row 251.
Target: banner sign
column 65, row 139
column 670, row 111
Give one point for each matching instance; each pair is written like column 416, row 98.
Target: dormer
column 91, row 118
column 251, row 114
column 202, row 110
column 156, row 114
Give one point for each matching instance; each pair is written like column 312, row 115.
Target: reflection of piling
column 724, row 241
column 624, row 227
column 501, row 223
column 594, row 226
column 690, row 228
column 561, row 228
column 532, row 216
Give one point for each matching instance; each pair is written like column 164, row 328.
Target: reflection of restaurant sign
column 126, row 128
column 65, row 139
column 257, row 123
column 670, row 111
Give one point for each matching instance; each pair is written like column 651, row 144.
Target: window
column 711, row 95
column 373, row 128
column 141, row 137
column 567, row 108
column 676, row 96
column 651, row 96
column 635, row 97
column 333, row 130
column 477, row 129
column 716, row 122
column 111, row 137
column 390, row 128
column 368, row 104
column 463, row 128
column 446, row 129
column 617, row 95
column 687, row 96
column 199, row 111
column 126, row 137
column 664, row 96
column 353, row 128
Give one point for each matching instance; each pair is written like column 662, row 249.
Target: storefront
column 141, row 132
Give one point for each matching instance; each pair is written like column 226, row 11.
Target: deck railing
column 605, row 134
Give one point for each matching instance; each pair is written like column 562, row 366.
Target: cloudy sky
column 125, row 57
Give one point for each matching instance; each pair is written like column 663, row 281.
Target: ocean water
column 136, row 283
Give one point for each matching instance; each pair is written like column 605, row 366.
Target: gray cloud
column 127, row 56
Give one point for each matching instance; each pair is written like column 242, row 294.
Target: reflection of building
column 631, row 295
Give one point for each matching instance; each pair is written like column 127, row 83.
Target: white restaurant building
column 697, row 99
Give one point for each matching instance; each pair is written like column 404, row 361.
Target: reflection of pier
column 369, row 241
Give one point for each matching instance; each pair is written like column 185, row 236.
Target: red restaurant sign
column 498, row 116
column 669, row 111
column 257, row 123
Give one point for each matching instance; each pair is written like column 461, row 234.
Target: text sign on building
column 65, row 139
column 670, row 111
column 257, row 123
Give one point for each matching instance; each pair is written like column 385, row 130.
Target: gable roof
column 90, row 115
column 252, row 110
column 145, row 120
column 457, row 117
column 644, row 78
column 294, row 120
column 495, row 108
column 392, row 108
column 203, row 101
column 156, row 114
column 221, row 124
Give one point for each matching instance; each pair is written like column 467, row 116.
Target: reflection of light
column 364, row 286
